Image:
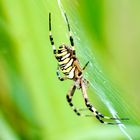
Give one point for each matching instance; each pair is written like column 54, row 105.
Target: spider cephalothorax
column 69, row 65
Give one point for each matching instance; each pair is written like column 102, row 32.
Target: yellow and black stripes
column 64, row 53
column 65, row 61
column 59, row 76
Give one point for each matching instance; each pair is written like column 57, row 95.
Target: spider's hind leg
column 97, row 114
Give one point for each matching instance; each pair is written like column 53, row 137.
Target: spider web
column 87, row 54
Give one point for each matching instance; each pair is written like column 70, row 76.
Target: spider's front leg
column 70, row 36
column 50, row 36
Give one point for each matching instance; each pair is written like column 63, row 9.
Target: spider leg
column 70, row 36
column 69, row 99
column 85, row 65
column 97, row 114
column 59, row 76
column 50, row 35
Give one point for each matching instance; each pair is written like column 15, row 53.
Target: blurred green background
column 32, row 100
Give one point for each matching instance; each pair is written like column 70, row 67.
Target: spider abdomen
column 65, row 61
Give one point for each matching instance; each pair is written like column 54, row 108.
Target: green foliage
column 32, row 99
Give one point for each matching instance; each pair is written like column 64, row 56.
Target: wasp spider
column 69, row 64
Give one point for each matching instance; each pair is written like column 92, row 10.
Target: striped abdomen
column 65, row 60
